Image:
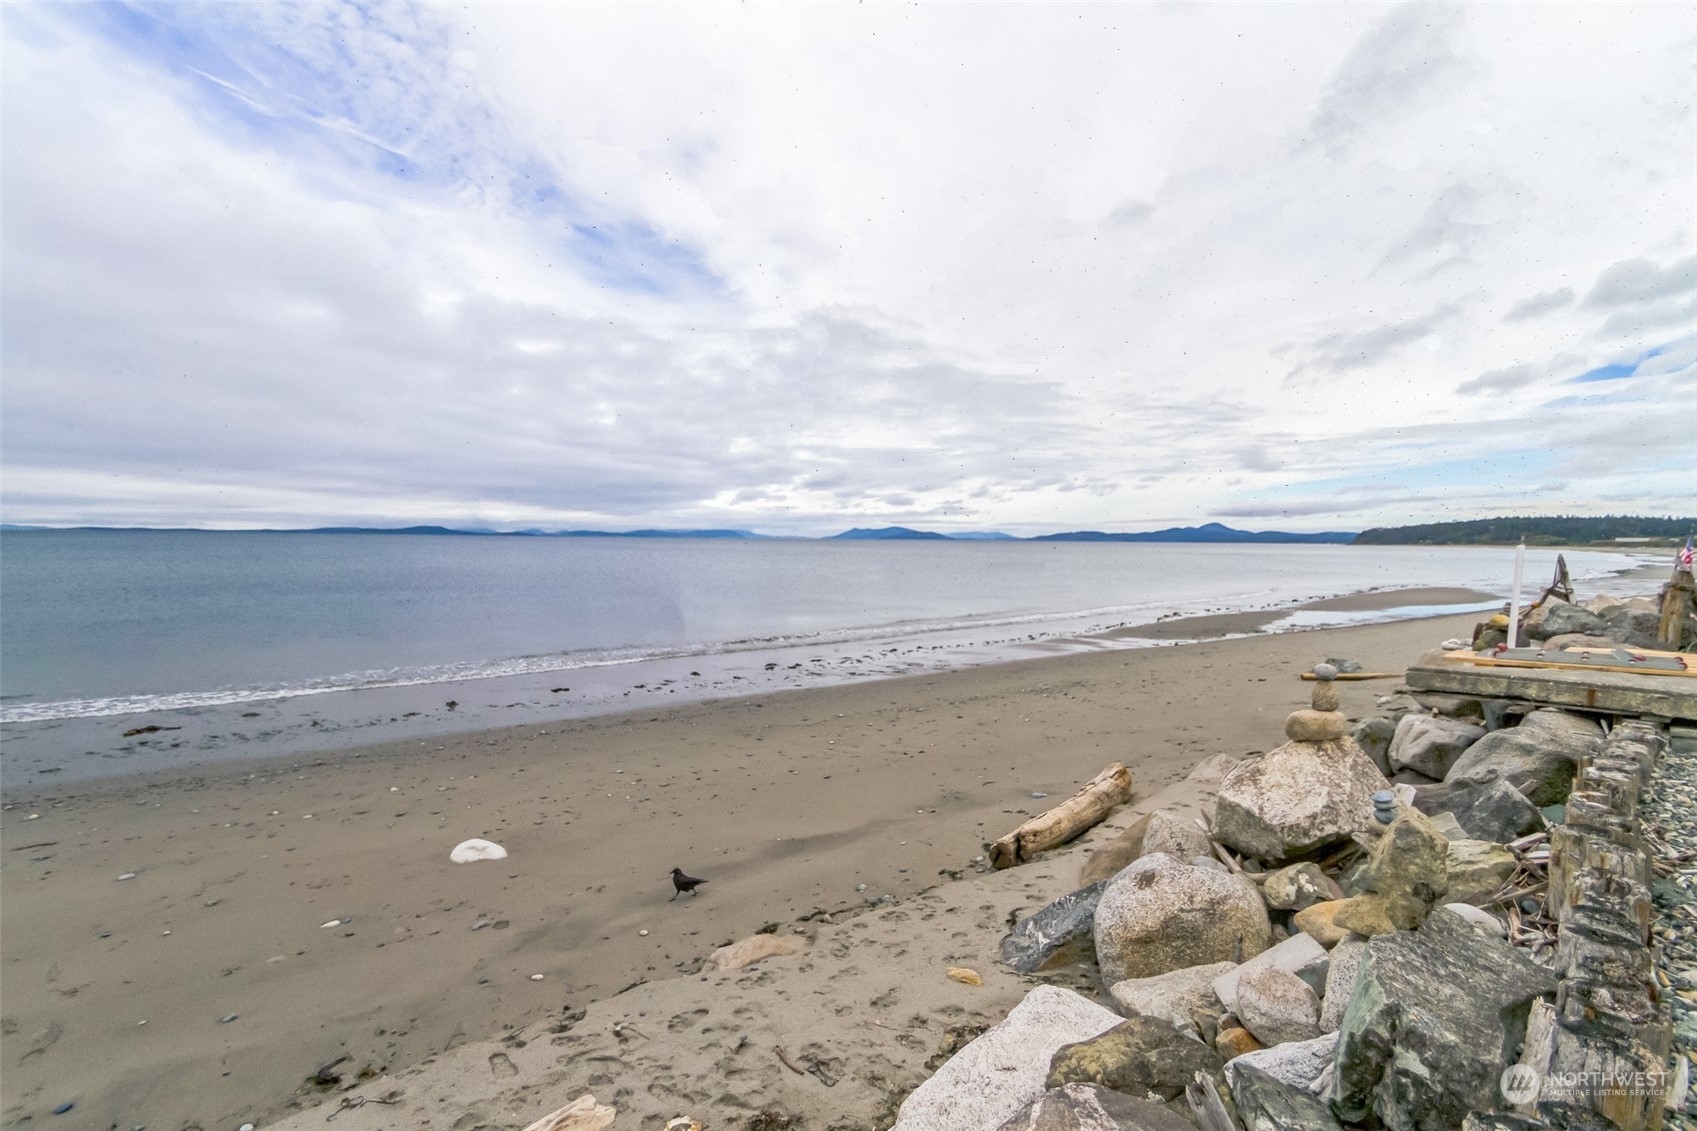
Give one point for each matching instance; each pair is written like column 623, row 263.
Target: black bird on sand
column 684, row 883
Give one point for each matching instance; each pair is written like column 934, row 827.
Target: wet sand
column 786, row 802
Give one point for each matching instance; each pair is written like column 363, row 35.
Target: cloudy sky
column 795, row 268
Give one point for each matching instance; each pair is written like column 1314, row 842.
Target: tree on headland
column 1556, row 530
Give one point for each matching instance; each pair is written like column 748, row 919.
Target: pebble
column 63, row 1108
column 226, row 1019
column 539, row 977
column 332, row 923
column 127, row 876
column 643, row 933
column 1039, row 795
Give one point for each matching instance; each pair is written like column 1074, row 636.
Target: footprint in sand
column 685, row 1020
column 502, row 1066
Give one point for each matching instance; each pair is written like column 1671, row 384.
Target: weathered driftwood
column 1082, row 811
column 582, row 1114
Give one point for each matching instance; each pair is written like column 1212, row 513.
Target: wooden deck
column 1602, row 692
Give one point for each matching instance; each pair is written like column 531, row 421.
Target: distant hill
column 1210, row 532
column 1560, row 530
column 983, row 536
column 658, row 534
column 889, row 534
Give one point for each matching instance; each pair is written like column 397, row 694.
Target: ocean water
column 113, row 623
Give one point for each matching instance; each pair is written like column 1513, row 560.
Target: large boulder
column 1374, row 737
column 1277, row 1007
column 1181, row 998
column 1140, row 1057
column 1556, row 617
column 1060, row 934
column 1430, row 744
column 1298, row 1064
column 1539, row 757
column 1178, row 836
column 1487, row 809
column 1299, row 955
column 1436, row 1015
column 1268, row 1104
column 1296, row 799
column 1000, row 1072
column 1106, row 860
column 1636, row 622
column 1159, row 915
column 1477, row 869
column 1091, row 1107
column 1407, row 873
column 1340, row 981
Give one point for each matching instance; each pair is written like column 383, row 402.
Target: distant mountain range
column 1211, row 532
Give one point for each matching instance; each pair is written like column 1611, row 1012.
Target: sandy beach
column 169, row 958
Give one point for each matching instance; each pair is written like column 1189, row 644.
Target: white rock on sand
column 995, row 1076
column 475, row 849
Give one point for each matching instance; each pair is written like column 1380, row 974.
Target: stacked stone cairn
column 1388, row 924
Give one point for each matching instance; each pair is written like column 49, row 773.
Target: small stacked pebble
column 1670, row 819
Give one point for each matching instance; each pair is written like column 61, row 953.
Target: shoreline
column 787, row 802
column 199, row 740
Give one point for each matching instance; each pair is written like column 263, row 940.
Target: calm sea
column 104, row 623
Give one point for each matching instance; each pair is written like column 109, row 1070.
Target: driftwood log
column 1081, row 811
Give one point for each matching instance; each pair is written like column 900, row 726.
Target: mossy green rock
column 1140, row 1057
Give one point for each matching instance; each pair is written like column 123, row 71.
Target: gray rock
column 1107, row 859
column 1316, row 726
column 1296, row 887
column 1538, row 757
column 1178, row 836
column 1556, row 617
column 1430, row 745
column 1635, row 622
column 1139, row 1056
column 1179, row 997
column 1299, row 954
column 1374, row 737
column 1277, row 1007
column 1579, row 641
column 1446, row 823
column 1340, row 981
column 1298, row 1064
column 1482, row 920
column 1091, row 1107
column 1266, row 1104
column 1060, row 934
column 1489, row 810
column 1477, row 870
column 1002, row 1071
column 1407, row 872
column 1295, row 799
column 1436, row 1015
column 1159, row 915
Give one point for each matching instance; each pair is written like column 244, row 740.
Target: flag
column 1683, row 559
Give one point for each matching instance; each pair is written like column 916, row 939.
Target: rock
column 1277, row 1007
column 1477, row 869
column 1178, row 997
column 1140, row 1056
column 582, row 1114
column 1635, row 622
column 1319, row 922
column 752, row 950
column 1296, row 887
column 1295, row 799
column 1001, row 1072
column 1300, row 955
column 1556, row 617
column 1179, row 837
column 1268, row 1104
column 1447, row 824
column 1325, row 697
column 1488, row 810
column 1406, row 873
column 1106, row 861
column 1483, row 920
column 1315, row 726
column 1298, row 1064
column 1539, row 757
column 1580, row 642
column 1455, row 707
column 965, row 975
column 1159, row 915
column 1374, row 737
column 469, row 851
column 1340, row 982
column 1234, row 1041
column 1060, row 934
column 1091, row 1107
column 1436, row 1014
column 1430, row 744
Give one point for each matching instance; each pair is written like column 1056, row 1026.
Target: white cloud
column 793, row 267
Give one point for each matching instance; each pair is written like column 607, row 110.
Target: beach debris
column 33, row 817
column 1082, row 811
column 682, row 883
column 1160, row 914
column 784, row 1059
column 326, row 1074
column 582, row 1114
column 683, row 1123
column 964, row 975
column 753, row 949
column 475, row 849
column 147, row 730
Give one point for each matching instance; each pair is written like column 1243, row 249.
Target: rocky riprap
column 1670, row 819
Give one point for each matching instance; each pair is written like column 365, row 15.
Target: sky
column 794, row 268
